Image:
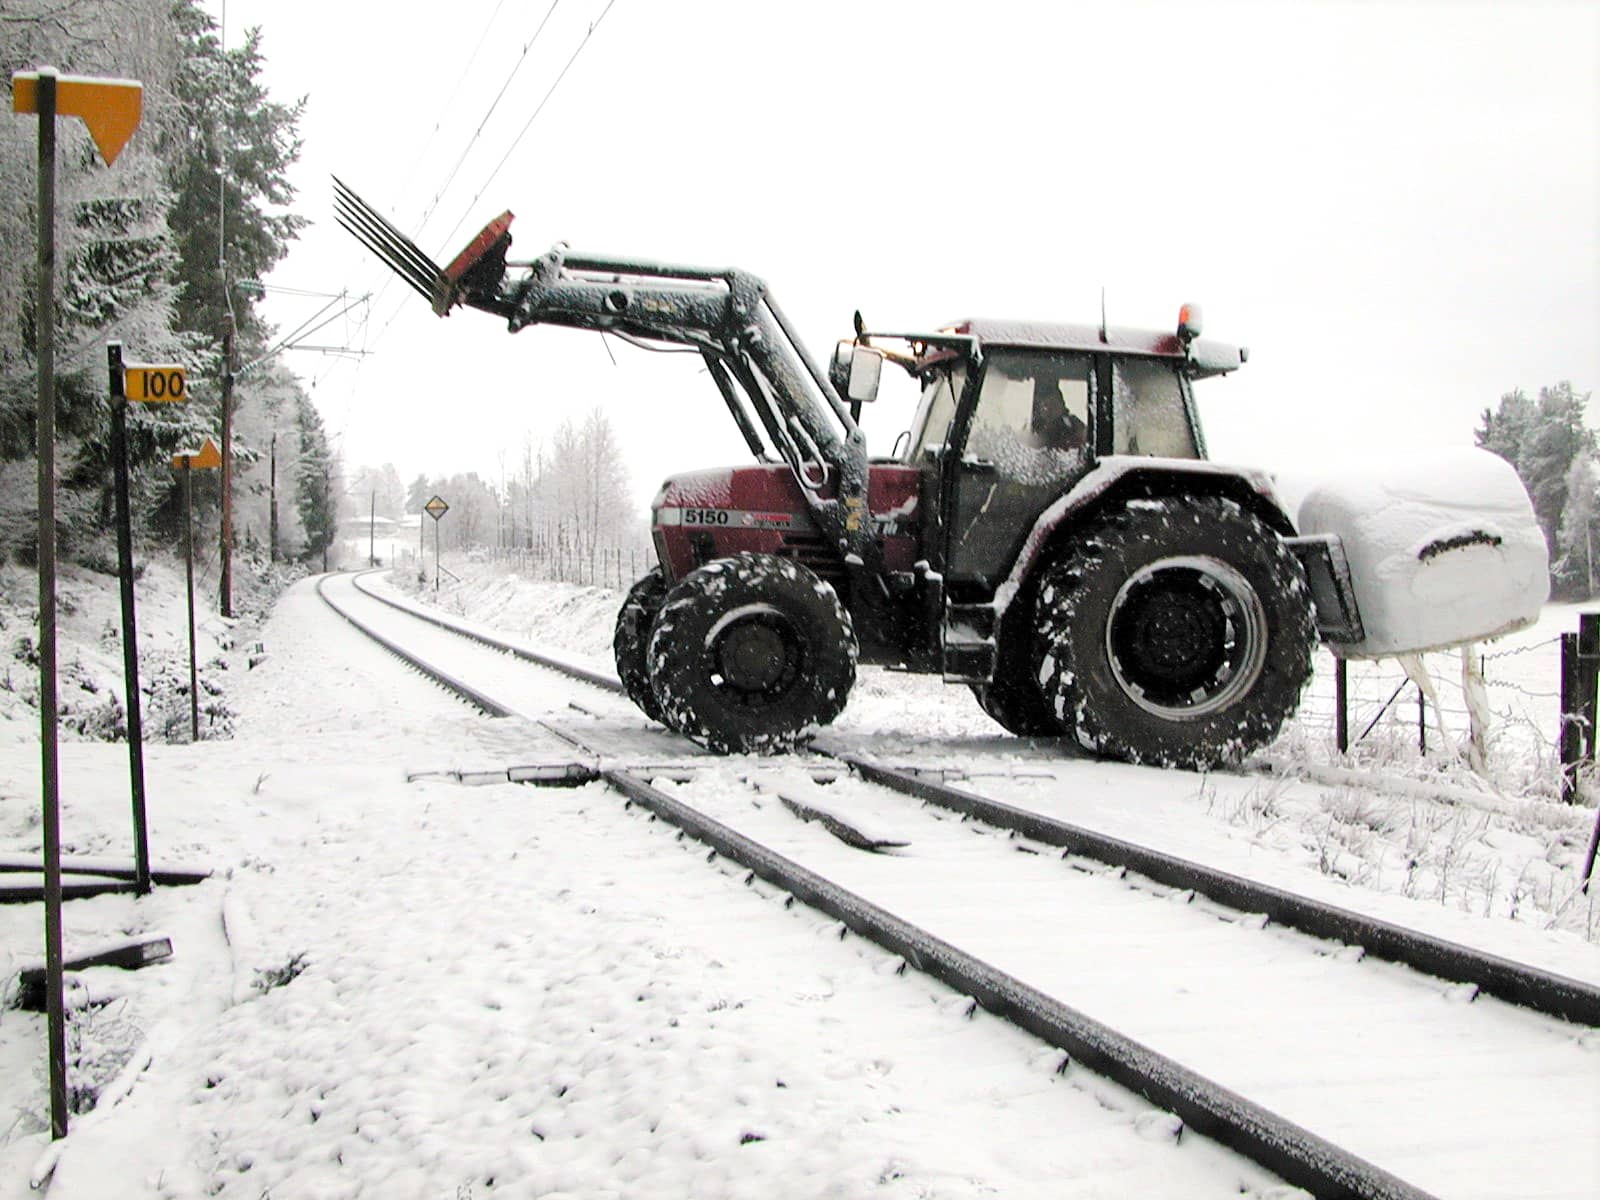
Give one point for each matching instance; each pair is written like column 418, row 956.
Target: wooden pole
column 272, row 492
column 45, row 324
column 227, row 464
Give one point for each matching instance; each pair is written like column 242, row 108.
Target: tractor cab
column 1013, row 415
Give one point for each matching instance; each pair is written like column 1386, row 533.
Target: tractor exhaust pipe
column 473, row 276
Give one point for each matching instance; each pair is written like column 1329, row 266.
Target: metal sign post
column 208, row 457
column 149, row 383
column 130, row 637
column 111, row 109
column 436, row 508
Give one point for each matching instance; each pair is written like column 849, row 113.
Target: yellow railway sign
column 207, row 458
column 109, row 107
column 436, row 507
column 154, row 383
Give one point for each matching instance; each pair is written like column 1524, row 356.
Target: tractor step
column 969, row 643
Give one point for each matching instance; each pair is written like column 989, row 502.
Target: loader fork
column 473, row 277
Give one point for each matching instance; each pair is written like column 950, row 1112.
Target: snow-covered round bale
column 1443, row 549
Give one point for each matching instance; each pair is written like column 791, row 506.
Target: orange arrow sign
column 109, row 107
column 207, row 458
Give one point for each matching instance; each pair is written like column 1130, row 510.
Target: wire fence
column 1392, row 720
column 593, row 566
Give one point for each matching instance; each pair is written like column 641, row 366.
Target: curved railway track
column 1247, row 1011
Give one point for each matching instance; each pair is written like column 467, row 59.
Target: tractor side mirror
column 855, row 371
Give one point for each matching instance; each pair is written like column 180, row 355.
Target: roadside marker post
column 145, row 383
column 206, row 458
column 436, row 508
column 111, row 108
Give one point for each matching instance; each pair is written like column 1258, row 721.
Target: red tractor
column 1047, row 532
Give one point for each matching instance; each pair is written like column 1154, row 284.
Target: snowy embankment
column 419, row 989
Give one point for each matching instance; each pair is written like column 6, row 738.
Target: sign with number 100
column 154, row 383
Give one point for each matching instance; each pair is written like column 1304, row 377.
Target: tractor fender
column 1118, row 478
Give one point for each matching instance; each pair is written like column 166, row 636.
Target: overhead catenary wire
column 517, row 141
column 478, row 132
column 371, row 345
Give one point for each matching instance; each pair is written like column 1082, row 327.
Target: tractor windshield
column 941, row 388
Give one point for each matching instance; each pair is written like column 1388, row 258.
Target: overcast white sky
column 1394, row 205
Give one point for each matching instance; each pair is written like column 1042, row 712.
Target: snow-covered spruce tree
column 317, row 484
column 1557, row 438
column 1505, row 427
column 230, row 160
column 1578, row 538
column 1542, row 441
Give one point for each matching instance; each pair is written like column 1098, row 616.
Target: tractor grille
column 810, row 550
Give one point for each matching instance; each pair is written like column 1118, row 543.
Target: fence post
column 1570, row 738
column 1589, row 677
column 1341, row 704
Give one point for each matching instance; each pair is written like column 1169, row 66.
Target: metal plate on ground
column 631, row 741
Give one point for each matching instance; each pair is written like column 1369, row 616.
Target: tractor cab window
column 1151, row 409
column 930, row 428
column 1032, row 403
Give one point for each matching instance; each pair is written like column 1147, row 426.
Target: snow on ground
column 396, row 989
column 420, row 989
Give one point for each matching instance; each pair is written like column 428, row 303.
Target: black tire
column 1176, row 632
column 751, row 652
column 631, row 641
column 1013, row 697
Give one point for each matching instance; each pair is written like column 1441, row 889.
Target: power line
column 370, row 345
column 460, row 79
column 450, row 178
column 518, row 140
column 493, row 104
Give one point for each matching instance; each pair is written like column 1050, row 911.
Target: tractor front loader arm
column 726, row 314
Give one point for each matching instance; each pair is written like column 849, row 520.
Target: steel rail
column 463, row 689
column 1289, row 1150
column 582, row 673
column 1506, row 979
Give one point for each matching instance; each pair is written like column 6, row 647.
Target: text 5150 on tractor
column 1049, row 532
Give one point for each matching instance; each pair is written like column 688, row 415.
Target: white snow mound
column 1443, row 549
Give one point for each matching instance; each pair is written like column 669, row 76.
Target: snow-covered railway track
column 1345, row 1077
column 1516, row 982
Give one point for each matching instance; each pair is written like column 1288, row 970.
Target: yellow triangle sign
column 207, row 458
column 111, row 108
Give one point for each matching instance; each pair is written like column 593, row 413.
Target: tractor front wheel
column 1176, row 631
column 751, row 652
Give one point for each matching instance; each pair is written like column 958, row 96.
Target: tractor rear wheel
column 631, row 641
column 1177, row 631
column 751, row 652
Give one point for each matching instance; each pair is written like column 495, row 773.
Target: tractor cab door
column 1021, row 441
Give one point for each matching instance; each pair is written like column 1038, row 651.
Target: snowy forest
column 158, row 251
column 1554, row 453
